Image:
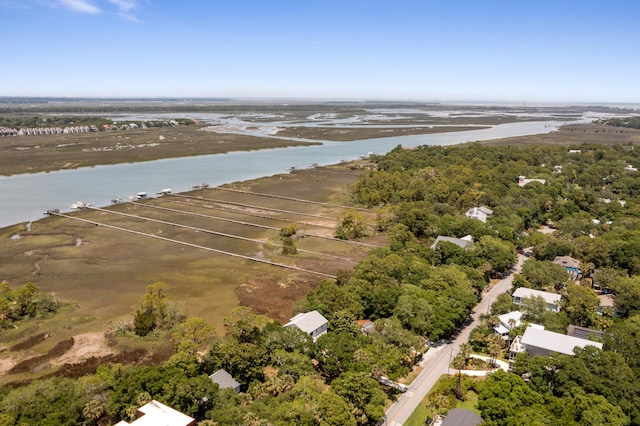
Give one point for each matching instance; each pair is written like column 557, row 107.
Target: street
column 436, row 361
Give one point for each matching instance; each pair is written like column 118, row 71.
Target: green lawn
column 421, row 412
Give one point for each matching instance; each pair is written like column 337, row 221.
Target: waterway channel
column 25, row 197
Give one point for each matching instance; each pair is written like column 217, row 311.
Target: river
column 25, row 197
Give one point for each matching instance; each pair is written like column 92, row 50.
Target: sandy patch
column 86, row 346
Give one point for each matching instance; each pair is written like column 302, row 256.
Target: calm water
column 25, row 197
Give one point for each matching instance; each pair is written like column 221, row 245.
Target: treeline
column 631, row 122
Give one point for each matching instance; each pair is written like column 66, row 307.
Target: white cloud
column 83, row 6
column 126, row 9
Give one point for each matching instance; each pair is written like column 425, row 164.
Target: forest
column 415, row 292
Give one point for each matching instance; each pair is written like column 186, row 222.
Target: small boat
column 141, row 195
column 200, row 186
column 79, row 205
column 165, row 191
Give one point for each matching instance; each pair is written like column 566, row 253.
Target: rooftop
column 463, row 242
column 308, row 321
column 224, row 379
column 156, row 413
column 567, row 262
column 551, row 298
column 554, row 342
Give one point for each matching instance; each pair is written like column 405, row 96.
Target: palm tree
column 459, row 362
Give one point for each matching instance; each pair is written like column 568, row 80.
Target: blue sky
column 533, row 51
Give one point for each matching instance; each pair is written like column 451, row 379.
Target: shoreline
column 37, row 191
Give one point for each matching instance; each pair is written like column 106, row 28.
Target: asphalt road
column 436, row 361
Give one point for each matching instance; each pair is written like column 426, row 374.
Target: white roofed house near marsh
column 312, row 323
column 479, row 213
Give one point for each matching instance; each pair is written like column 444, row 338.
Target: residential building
column 366, row 326
column 552, row 299
column 157, row 414
column 463, row 242
column 536, row 342
column 460, row 417
column 225, row 380
column 522, row 181
column 508, row 321
column 571, row 265
column 607, row 302
column 312, row 323
column 479, row 213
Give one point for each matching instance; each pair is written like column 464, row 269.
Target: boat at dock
column 82, row 205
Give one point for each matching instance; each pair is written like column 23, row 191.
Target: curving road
column 436, row 361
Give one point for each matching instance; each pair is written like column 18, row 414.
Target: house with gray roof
column 225, row 380
column 536, row 342
column 552, row 299
column 312, row 323
column 461, row 417
column 571, row 265
column 463, row 242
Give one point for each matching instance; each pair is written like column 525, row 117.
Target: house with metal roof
column 508, row 321
column 463, row 242
column 479, row 213
column 458, row 417
column 225, row 380
column 156, row 413
column 536, row 342
column 312, row 323
column 552, row 299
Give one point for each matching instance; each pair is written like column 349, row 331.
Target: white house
column 510, row 320
column 479, row 213
column 535, row 342
column 522, row 181
column 156, row 413
column 552, row 299
column 312, row 323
